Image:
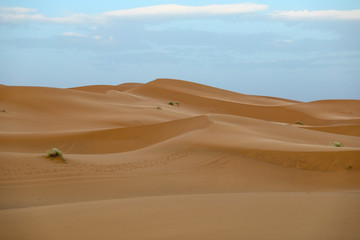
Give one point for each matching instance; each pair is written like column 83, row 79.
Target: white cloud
column 180, row 10
column 19, row 14
column 29, row 15
column 317, row 15
column 15, row 15
column 73, row 34
column 16, row 10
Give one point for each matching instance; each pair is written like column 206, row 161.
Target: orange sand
column 218, row 165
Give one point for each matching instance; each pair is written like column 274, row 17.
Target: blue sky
column 304, row 50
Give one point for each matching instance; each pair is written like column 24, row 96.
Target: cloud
column 16, row 10
column 73, row 34
column 168, row 11
column 317, row 15
column 18, row 15
column 180, row 10
column 79, row 35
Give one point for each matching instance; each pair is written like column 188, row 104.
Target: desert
column 172, row 159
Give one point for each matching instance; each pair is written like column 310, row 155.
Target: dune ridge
column 128, row 149
column 113, row 140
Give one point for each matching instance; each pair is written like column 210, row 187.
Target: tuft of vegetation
column 299, row 122
column 55, row 153
column 336, row 144
column 174, row 103
column 349, row 167
column 3, row 110
column 158, row 107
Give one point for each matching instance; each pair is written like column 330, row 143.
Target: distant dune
column 172, row 159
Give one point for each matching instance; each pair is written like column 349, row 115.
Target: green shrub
column 158, row 107
column 337, row 144
column 299, row 122
column 54, row 153
column 173, row 104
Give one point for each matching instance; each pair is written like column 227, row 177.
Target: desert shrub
column 54, row 153
column 174, row 103
column 158, row 107
column 299, row 122
column 337, row 144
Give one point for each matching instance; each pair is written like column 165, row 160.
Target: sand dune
column 352, row 130
column 233, row 165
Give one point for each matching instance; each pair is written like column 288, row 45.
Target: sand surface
column 214, row 165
